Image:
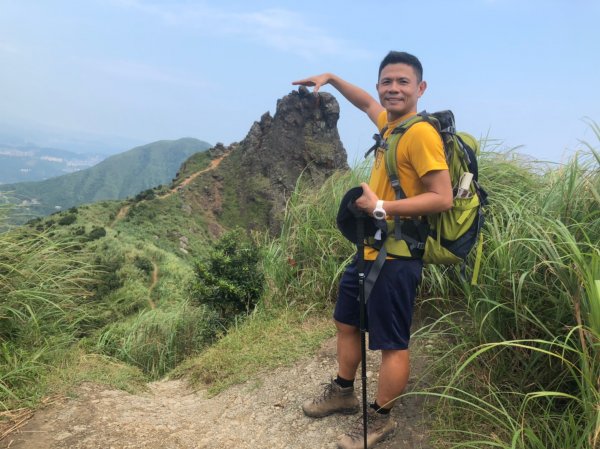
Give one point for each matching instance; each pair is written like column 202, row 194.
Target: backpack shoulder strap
column 391, row 168
column 391, row 154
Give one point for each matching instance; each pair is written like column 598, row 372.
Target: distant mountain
column 29, row 163
column 116, row 177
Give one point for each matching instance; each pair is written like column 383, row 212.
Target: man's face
column 399, row 90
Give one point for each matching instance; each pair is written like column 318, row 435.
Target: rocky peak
column 301, row 139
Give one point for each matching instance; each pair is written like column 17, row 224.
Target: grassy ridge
column 84, row 295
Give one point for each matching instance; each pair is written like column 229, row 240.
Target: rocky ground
column 263, row 413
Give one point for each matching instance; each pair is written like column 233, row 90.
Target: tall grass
column 305, row 262
column 43, row 285
column 64, row 296
column 525, row 369
column 157, row 340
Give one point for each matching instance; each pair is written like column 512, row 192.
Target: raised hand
column 315, row 81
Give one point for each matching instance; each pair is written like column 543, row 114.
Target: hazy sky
column 523, row 72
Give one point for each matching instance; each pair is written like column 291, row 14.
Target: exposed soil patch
column 264, row 413
column 121, row 214
column 213, row 164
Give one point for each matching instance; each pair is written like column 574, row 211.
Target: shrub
column 144, row 264
column 108, row 279
column 96, row 233
column 67, row 220
column 230, row 280
column 34, row 221
column 145, row 195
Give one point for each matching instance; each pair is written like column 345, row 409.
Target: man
column 425, row 179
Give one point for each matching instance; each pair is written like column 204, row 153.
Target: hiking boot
column 378, row 427
column 334, row 399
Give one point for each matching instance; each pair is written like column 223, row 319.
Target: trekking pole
column 360, row 244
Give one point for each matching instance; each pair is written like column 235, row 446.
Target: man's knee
column 346, row 329
column 395, row 355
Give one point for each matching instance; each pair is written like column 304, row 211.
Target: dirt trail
column 153, row 283
column 262, row 414
column 120, row 215
column 213, row 164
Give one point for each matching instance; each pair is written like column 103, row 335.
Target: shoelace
column 326, row 393
column 373, row 425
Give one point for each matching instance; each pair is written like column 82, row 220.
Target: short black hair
column 401, row 57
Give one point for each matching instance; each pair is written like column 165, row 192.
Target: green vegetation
column 521, row 366
column 164, row 221
column 44, row 291
column 82, row 300
column 157, row 340
column 196, row 162
column 230, row 281
column 516, row 361
column 265, row 340
column 255, row 206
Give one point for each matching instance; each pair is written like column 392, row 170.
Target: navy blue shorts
column 390, row 306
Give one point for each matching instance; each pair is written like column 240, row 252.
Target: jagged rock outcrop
column 253, row 182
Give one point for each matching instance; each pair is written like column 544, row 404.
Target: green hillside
column 116, row 177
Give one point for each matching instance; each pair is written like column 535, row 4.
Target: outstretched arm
column 354, row 94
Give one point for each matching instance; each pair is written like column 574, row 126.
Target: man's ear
column 422, row 87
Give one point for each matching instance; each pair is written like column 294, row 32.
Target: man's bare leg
column 393, row 376
column 348, row 350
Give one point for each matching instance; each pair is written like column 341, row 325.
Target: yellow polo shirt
column 420, row 150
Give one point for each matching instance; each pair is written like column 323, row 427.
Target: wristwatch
column 379, row 212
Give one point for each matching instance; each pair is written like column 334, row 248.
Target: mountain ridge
column 116, row 177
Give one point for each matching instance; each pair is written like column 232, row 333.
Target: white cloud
column 288, row 31
column 282, row 29
column 144, row 72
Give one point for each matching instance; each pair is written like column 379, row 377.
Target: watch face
column 379, row 214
